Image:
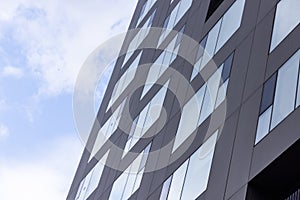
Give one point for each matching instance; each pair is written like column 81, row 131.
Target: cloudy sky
column 43, row 44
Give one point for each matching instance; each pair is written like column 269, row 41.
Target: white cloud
column 48, row 177
column 14, row 72
column 57, row 37
column 4, row 131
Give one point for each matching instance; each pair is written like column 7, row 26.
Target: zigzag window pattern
column 125, row 80
column 139, row 38
column 145, row 9
column 89, row 184
column 147, row 117
column 204, row 102
column 107, row 129
column 177, row 13
column 163, row 62
column 219, row 35
column 281, row 96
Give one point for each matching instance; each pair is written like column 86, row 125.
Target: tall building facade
column 205, row 111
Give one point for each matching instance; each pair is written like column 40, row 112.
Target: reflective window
column 138, row 38
column 125, row 80
column 177, row 13
column 198, row 171
column 189, row 118
column 162, row 62
column 230, row 23
column 177, row 182
column 90, row 183
column 191, row 179
column 284, row 102
column 210, row 95
column 222, row 93
column 268, row 94
column 203, row 103
column 107, row 129
column 287, row 17
column 165, row 189
column 148, row 116
column 211, row 43
column 145, row 9
column 277, row 106
column 263, row 126
column 129, row 181
column 223, row 30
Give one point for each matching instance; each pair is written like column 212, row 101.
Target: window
column 145, row 9
column 287, row 17
column 280, row 97
column 230, row 23
column 148, row 116
column 268, row 94
column 90, row 183
column 204, row 102
column 163, row 62
column 125, row 80
column 220, row 33
column 107, row 129
column 177, row 13
column 139, row 38
column 129, row 181
column 285, row 94
column 191, row 178
column 177, row 182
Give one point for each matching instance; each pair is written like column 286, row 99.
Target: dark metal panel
column 243, row 145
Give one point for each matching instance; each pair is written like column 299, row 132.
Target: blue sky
column 42, row 47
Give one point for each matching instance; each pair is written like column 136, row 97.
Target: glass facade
column 188, row 115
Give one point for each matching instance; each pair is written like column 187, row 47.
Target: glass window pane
column 173, row 17
column 211, row 44
column 184, row 6
column 199, row 169
column 84, row 185
column 156, row 106
column 231, row 22
column 268, row 93
column 97, row 172
column 189, row 118
column 227, row 68
column 222, row 93
column 287, row 17
column 201, row 48
column 263, row 126
column 177, row 182
column 165, row 189
column 284, row 102
column 210, row 95
column 138, row 181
